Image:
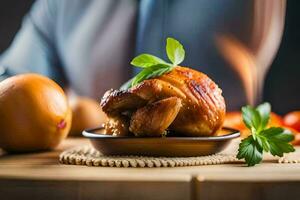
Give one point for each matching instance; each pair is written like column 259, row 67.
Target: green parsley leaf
column 251, row 117
column 175, row 51
column 150, row 72
column 274, row 140
column 250, row 150
column 147, row 60
column 263, row 142
column 264, row 111
column 278, row 139
column 154, row 66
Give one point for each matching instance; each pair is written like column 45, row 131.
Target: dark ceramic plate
column 160, row 146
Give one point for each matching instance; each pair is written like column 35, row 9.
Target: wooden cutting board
column 40, row 176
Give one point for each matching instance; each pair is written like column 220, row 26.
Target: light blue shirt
column 88, row 44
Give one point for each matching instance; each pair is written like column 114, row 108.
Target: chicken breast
column 184, row 100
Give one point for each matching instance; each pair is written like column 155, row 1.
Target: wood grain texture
column 40, row 176
column 246, row 190
column 100, row 189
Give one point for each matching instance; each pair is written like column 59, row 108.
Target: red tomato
column 275, row 120
column 296, row 141
column 292, row 119
column 234, row 120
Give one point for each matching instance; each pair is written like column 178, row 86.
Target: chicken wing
column 155, row 118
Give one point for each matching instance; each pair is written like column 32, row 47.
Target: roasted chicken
column 183, row 101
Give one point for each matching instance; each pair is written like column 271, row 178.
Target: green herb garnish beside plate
column 262, row 139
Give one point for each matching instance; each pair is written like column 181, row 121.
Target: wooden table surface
column 40, row 176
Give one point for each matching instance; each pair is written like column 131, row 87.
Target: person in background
column 87, row 45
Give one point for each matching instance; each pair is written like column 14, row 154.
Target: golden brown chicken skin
column 154, row 118
column 184, row 100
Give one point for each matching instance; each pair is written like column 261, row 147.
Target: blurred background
column 284, row 70
column 11, row 14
